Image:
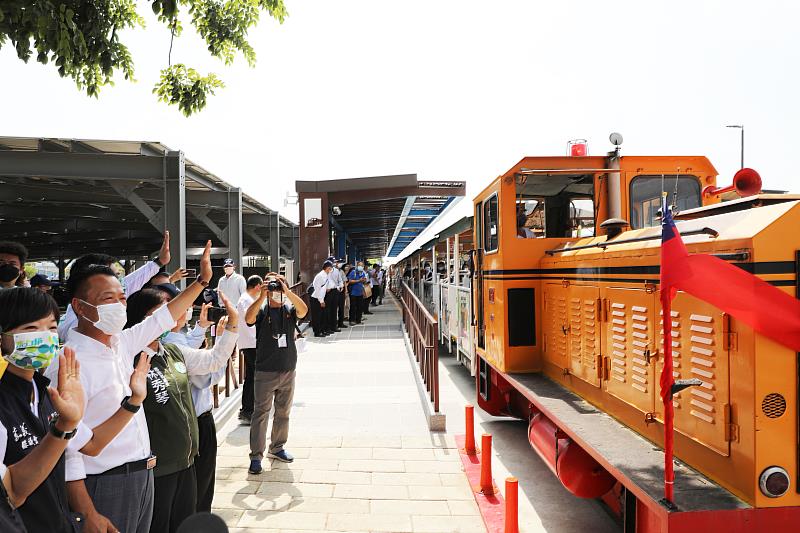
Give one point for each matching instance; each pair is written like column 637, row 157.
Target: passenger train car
column 566, row 333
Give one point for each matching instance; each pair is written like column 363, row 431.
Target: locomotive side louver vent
column 774, row 405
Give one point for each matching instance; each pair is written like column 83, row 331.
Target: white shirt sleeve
column 207, row 361
column 69, row 322
column 73, row 463
column 133, row 340
column 242, row 284
column 136, row 279
column 196, row 336
column 320, row 281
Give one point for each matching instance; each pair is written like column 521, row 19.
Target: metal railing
column 300, row 289
column 423, row 333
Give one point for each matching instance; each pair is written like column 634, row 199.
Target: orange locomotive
column 568, row 336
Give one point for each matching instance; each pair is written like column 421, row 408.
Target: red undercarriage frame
column 636, row 511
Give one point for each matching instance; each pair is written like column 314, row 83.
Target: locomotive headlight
column 774, row 482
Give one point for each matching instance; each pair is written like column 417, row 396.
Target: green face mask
column 33, row 349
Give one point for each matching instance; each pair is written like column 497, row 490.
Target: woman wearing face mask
column 169, row 409
column 37, row 422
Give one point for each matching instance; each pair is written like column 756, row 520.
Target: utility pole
column 740, row 127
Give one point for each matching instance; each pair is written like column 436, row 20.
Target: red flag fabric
column 768, row 310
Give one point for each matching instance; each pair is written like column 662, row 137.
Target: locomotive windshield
column 558, row 205
column 646, row 197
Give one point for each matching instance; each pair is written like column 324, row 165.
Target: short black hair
column 14, row 248
column 254, row 281
column 78, row 278
column 141, row 302
column 22, row 305
column 93, row 259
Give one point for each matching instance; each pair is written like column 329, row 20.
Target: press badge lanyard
column 282, row 343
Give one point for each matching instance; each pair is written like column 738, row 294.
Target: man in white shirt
column 130, row 283
column 247, row 344
column 114, row 490
column 232, row 284
column 332, row 297
column 320, row 287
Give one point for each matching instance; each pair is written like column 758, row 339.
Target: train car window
column 530, row 218
column 646, row 197
column 555, row 205
column 581, row 217
column 490, row 226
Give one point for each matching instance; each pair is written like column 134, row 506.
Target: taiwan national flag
column 751, row 300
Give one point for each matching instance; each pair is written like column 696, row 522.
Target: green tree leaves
column 186, row 88
column 81, row 39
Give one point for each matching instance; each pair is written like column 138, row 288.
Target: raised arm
column 299, row 305
column 252, row 311
column 24, row 476
column 178, row 306
column 199, row 362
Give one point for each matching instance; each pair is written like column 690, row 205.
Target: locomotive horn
column 746, row 182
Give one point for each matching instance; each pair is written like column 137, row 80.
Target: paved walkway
column 365, row 460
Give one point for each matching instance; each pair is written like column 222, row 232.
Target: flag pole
column 666, row 374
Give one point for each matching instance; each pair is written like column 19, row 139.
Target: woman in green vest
column 171, row 419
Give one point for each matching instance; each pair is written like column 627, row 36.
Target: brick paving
column 364, row 458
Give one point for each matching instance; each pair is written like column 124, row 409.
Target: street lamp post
column 740, row 127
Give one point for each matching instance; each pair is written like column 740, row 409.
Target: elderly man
column 232, row 284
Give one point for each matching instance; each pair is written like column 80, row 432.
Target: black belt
column 204, row 415
column 130, row 468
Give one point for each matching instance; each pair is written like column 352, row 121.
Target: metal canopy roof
column 379, row 216
column 65, row 197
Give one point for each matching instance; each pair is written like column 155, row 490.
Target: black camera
column 216, row 311
column 274, row 286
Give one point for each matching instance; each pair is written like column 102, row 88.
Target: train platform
column 364, row 457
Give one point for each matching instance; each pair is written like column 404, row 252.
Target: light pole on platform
column 741, row 127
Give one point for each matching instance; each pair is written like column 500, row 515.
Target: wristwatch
column 201, row 281
column 57, row 433
column 128, row 407
column 157, row 261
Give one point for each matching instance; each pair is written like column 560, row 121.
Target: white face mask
column 111, row 317
column 189, row 313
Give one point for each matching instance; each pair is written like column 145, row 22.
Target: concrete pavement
column 365, row 460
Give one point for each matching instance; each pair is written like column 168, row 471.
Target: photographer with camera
column 276, row 360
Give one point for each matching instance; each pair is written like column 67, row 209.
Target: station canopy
column 380, row 216
column 66, row 197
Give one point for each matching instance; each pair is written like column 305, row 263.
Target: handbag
column 367, row 291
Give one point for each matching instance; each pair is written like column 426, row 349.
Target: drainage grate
column 774, row 405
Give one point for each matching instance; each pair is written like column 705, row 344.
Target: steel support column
column 234, row 229
column 175, row 208
column 274, row 242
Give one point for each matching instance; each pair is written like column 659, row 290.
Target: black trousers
column 365, row 304
column 376, row 293
column 174, row 501
column 340, row 307
column 205, row 464
column 356, row 308
column 317, row 316
column 248, row 387
column 331, row 303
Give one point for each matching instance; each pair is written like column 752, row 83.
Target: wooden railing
column 423, row 332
